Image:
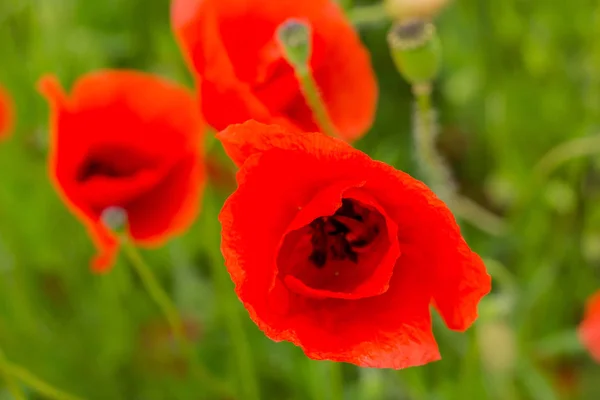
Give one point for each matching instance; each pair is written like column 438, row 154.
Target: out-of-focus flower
column 6, row 114
column 403, row 9
column 129, row 141
column 158, row 349
column 340, row 254
column 589, row 329
column 242, row 72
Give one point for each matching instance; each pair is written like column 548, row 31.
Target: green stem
column 430, row 163
column 11, row 383
column 566, row 151
column 12, row 371
column 347, row 5
column 337, row 381
column 154, row 289
column 315, row 102
column 166, row 306
column 368, row 14
column 229, row 305
column 436, row 172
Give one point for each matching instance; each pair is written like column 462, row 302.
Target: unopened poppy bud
column 114, row 218
column 415, row 49
column 294, row 37
column 402, row 9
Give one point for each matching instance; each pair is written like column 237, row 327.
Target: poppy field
column 299, row 200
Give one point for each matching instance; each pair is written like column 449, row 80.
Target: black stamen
column 347, row 210
column 329, row 236
column 339, row 227
column 359, row 243
column 318, row 257
column 92, row 168
column 348, row 252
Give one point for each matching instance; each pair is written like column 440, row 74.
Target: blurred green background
column 519, row 78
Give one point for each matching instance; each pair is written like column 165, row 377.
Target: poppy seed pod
column 243, row 72
column 294, row 37
column 114, row 218
column 416, row 50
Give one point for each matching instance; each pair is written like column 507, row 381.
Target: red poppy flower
column 242, row 74
column 6, row 113
column 129, row 140
column 340, row 254
column 589, row 330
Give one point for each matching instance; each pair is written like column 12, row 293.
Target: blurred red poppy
column 6, row 113
column 340, row 254
column 589, row 330
column 129, row 140
column 242, row 74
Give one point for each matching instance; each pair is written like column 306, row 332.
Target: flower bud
column 114, row 218
column 416, row 50
column 403, row 9
column 294, row 37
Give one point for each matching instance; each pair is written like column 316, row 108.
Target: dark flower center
column 343, row 255
column 110, row 162
column 333, row 239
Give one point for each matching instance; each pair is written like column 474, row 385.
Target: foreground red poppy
column 340, row 254
column 128, row 140
column 242, row 74
column 589, row 330
column 6, row 113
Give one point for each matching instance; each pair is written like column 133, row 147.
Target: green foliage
column 518, row 78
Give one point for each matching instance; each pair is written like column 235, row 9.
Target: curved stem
column 154, row 289
column 478, row 216
column 166, row 306
column 314, row 100
column 437, row 173
column 11, row 383
column 432, row 166
column 566, row 151
column 13, row 371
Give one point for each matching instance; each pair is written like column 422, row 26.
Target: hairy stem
column 436, row 172
column 168, row 309
column 315, row 101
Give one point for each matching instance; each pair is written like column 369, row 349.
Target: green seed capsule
column 294, row 37
column 416, row 50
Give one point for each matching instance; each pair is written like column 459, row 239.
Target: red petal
column 107, row 245
column 368, row 278
column 243, row 140
column 392, row 330
column 281, row 172
column 589, row 330
column 130, row 140
column 389, row 332
column 243, row 76
column 458, row 276
column 7, row 113
column 171, row 207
